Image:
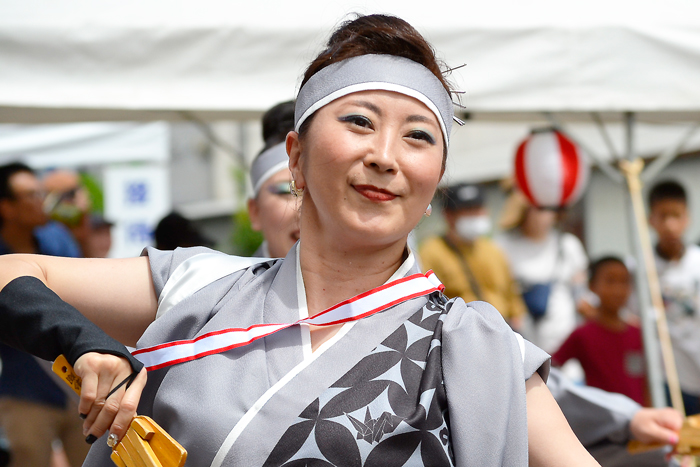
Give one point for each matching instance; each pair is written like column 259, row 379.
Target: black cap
column 97, row 220
column 463, row 196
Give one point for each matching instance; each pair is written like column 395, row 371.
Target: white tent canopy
column 79, row 60
column 147, row 60
column 73, row 145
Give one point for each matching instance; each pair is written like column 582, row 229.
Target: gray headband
column 268, row 164
column 375, row 72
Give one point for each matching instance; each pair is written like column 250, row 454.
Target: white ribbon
column 355, row 308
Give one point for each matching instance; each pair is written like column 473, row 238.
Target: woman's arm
column 116, row 294
column 550, row 439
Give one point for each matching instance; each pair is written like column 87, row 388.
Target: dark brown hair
column 666, row 190
column 377, row 34
column 598, row 264
column 276, row 123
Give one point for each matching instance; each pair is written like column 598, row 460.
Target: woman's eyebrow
column 368, row 105
column 377, row 110
column 418, row 118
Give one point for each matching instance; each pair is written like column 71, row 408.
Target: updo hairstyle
column 375, row 34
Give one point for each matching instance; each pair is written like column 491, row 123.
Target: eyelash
column 422, row 135
column 364, row 122
column 358, row 120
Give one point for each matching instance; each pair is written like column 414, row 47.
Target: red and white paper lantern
column 550, row 170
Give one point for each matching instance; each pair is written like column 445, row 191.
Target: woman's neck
column 333, row 273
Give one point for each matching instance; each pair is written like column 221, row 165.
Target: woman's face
column 538, row 222
column 369, row 164
column 274, row 213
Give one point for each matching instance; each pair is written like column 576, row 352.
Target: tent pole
column 652, row 313
column 666, row 158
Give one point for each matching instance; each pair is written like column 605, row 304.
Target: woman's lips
column 373, row 193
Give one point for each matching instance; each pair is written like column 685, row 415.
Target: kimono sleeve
column 163, row 263
column 535, row 360
column 485, row 366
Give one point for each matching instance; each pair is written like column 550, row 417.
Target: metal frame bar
column 605, row 135
column 667, row 157
column 604, row 165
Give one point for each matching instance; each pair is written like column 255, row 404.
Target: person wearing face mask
column 468, row 262
column 356, row 358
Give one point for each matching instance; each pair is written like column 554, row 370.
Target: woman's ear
column 254, row 215
column 294, row 146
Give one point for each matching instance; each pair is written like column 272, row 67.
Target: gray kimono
column 427, row 382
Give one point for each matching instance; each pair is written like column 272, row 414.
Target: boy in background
column 609, row 349
column 678, row 266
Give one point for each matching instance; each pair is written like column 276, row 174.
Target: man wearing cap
column 469, row 263
column 34, row 410
column 100, row 241
column 68, row 202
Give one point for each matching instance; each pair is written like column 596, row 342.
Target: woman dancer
column 424, row 381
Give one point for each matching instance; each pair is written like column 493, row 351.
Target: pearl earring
column 429, row 210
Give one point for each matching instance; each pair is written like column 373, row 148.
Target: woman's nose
column 382, row 156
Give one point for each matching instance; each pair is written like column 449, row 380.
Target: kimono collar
column 409, row 266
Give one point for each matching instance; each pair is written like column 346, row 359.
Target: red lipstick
column 373, row 193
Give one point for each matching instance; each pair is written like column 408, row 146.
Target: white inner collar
column 301, row 295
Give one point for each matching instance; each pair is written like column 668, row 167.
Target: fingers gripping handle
column 145, row 443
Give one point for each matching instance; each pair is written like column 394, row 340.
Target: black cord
column 128, row 380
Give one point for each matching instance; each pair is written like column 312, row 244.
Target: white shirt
column 680, row 287
column 534, row 262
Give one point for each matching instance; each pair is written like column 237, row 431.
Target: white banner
column 136, row 198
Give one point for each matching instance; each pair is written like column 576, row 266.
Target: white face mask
column 470, row 228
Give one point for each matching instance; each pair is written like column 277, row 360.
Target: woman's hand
column 656, row 426
column 100, row 374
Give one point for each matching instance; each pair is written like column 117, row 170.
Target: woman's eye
column 358, row 120
column 422, row 135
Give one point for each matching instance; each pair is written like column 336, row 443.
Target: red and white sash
column 355, row 308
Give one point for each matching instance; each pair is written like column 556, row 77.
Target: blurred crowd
column 573, row 307
column 53, row 214
column 520, row 260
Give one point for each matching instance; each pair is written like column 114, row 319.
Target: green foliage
column 244, row 239
column 94, row 190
